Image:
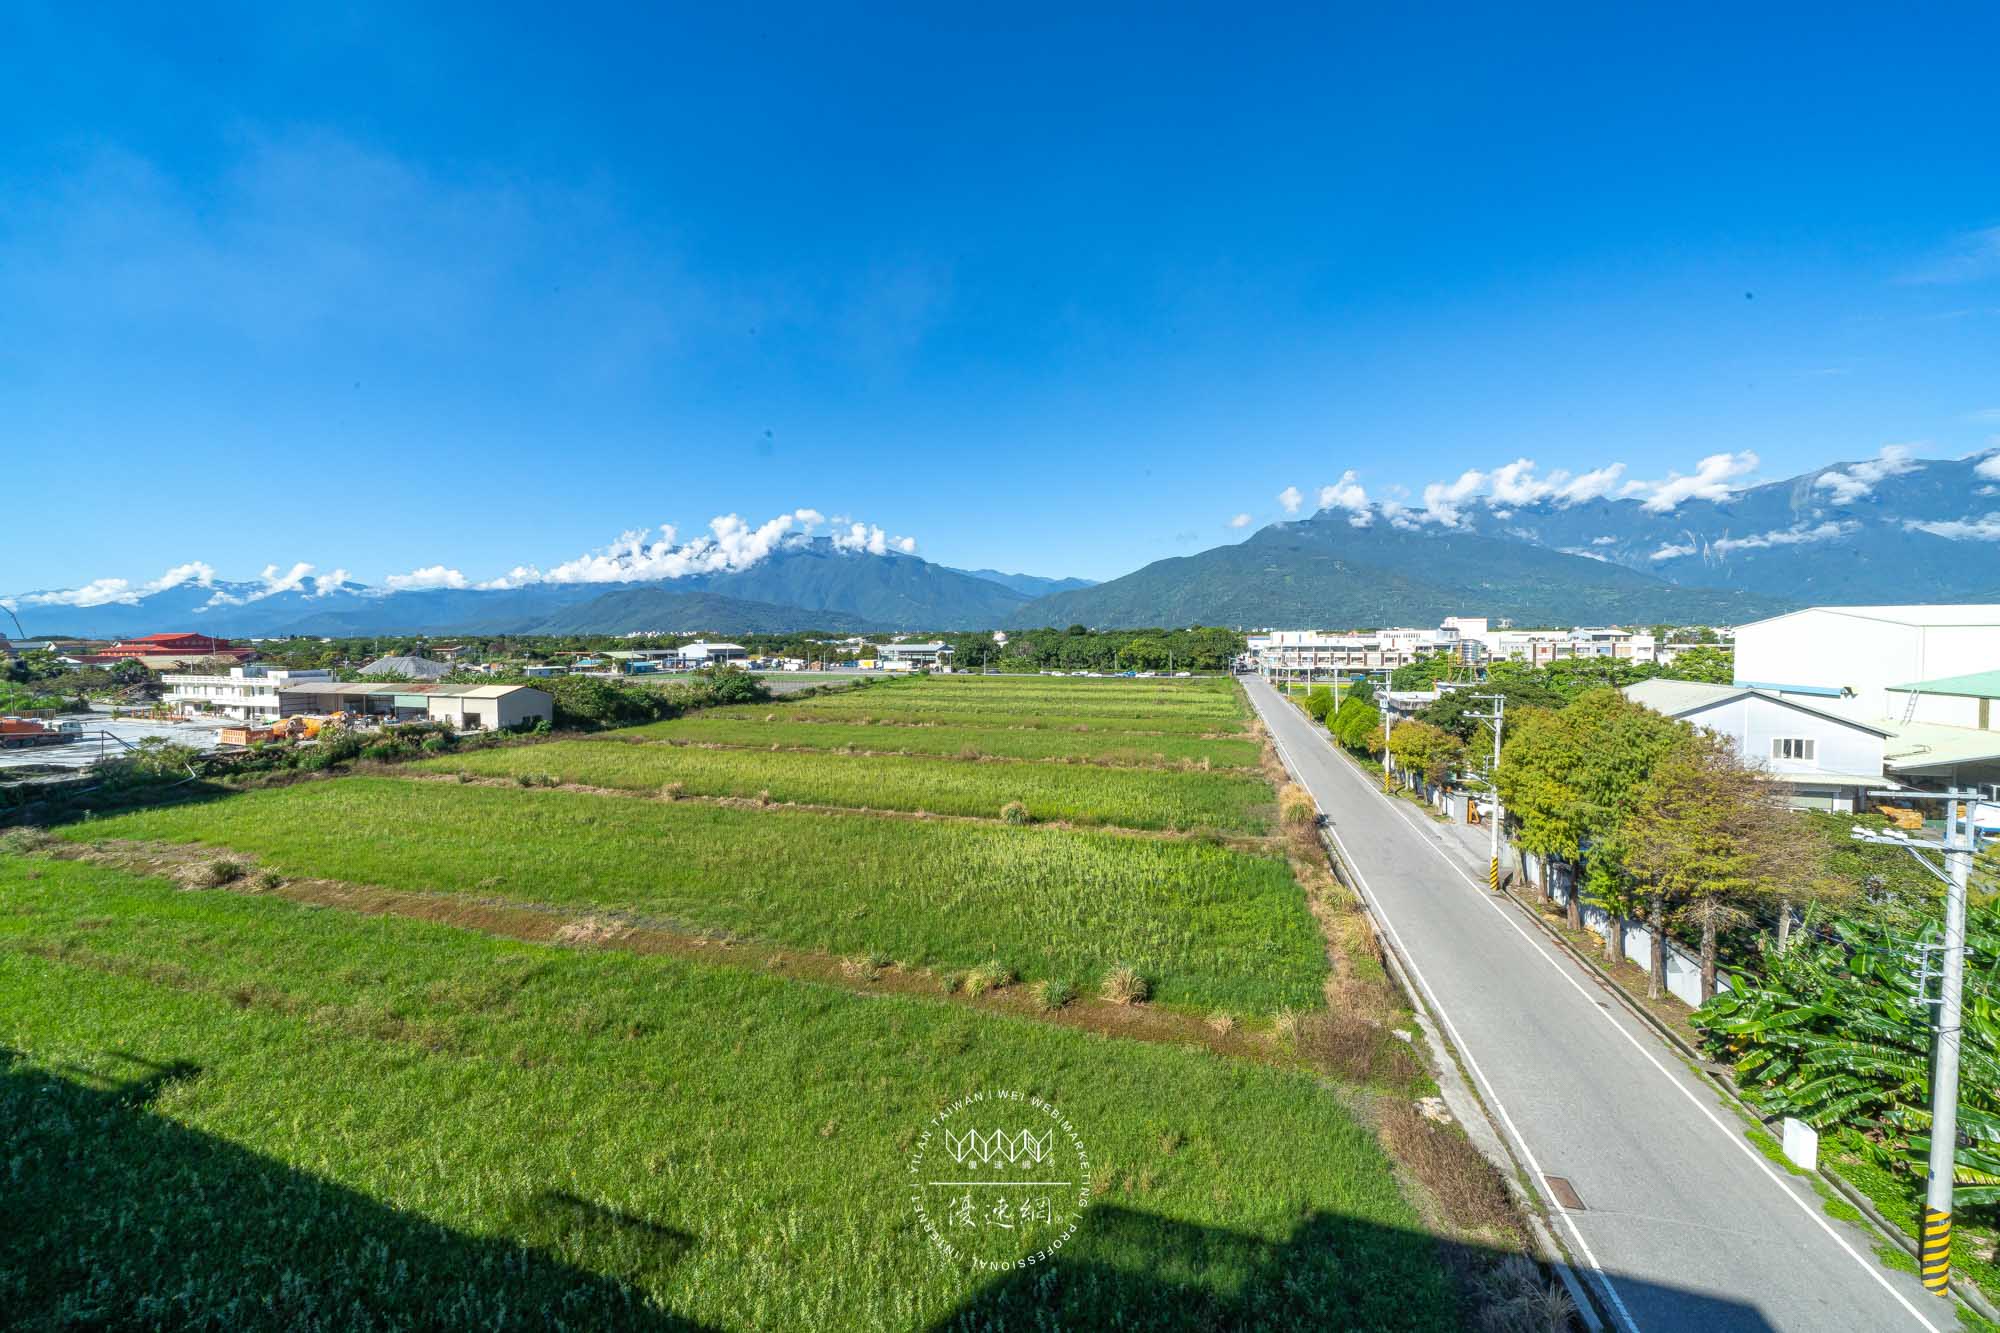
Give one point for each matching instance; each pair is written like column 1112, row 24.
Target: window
column 1792, row 747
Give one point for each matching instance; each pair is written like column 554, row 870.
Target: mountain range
column 1889, row 529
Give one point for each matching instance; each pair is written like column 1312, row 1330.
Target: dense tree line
column 1077, row 648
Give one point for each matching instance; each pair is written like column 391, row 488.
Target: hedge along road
column 1684, row 1223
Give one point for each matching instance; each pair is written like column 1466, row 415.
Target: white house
column 248, row 693
column 912, row 656
column 1830, row 762
column 1850, row 657
column 702, row 654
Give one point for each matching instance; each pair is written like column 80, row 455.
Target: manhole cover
column 1565, row 1193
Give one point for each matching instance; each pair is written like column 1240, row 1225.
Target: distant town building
column 247, row 693
column 912, row 656
column 700, row 654
column 416, row 668
column 188, row 647
column 465, row 707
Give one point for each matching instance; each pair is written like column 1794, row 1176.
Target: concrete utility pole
column 1960, row 845
column 1497, row 717
column 1383, row 704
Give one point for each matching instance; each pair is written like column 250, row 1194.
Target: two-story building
column 248, row 693
column 1829, row 762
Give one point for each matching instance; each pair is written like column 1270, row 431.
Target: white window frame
column 1803, row 749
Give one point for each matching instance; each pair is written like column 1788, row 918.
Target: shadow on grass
column 112, row 1215
column 54, row 807
column 1127, row 1269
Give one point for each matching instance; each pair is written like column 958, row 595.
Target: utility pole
column 1497, row 717
column 1386, row 721
column 1960, row 845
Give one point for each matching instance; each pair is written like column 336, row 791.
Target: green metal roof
column 1979, row 685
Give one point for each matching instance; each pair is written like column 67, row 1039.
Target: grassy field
column 748, row 729
column 1209, row 925
column 1071, row 700
column 1134, row 798
column 887, row 706
column 226, row 1111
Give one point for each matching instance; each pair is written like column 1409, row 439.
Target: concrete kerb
column 1470, row 1109
column 1719, row 1076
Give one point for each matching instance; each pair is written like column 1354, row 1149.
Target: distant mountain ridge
column 1890, row 529
column 1028, row 585
column 1323, row 572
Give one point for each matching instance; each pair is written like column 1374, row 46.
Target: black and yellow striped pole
column 1934, row 1259
column 1493, row 874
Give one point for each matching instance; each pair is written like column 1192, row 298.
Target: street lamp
column 1960, row 843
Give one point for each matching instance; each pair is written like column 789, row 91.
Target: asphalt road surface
column 1684, row 1224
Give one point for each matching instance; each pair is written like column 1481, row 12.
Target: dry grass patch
column 1296, row 806
column 1446, row 1164
column 590, row 932
column 1123, row 985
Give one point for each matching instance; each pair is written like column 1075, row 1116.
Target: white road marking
column 1738, row 1140
column 1596, row 1269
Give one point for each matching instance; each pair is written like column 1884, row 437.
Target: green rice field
column 221, row 1110
column 1208, row 925
column 229, row 1107
column 887, row 707
column 748, row 728
column 1135, row 798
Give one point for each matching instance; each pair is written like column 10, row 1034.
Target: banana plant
column 1837, row 1034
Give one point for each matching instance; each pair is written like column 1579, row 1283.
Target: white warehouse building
column 1852, row 658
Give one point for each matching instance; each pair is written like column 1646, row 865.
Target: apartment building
column 247, row 693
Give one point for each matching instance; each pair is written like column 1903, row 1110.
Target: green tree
column 1318, row 702
column 1715, row 666
column 1424, row 672
column 1708, row 838
column 1430, row 751
column 1357, row 725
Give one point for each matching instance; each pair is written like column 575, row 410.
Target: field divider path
column 639, row 933
column 1265, row 844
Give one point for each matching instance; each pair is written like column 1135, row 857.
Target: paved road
column 1684, row 1224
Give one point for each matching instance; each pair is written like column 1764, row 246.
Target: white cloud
column 1586, row 552
column 1240, row 521
column 730, row 544
column 1710, row 481
column 1593, row 485
column 1783, row 537
column 1291, row 499
column 1348, row 495
column 1860, row 479
column 1444, row 501
column 1603, row 541
column 1988, row 466
column 425, row 579
column 1673, row 552
column 1985, row 529
column 1515, row 483
column 1972, row 257
column 329, row 582
column 103, row 592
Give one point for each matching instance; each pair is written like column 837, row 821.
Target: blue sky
column 386, row 289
